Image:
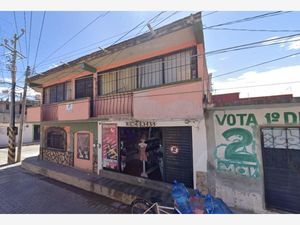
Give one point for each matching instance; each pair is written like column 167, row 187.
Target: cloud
column 211, row 70
column 291, row 43
column 256, row 79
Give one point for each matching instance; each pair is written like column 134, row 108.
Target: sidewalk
column 108, row 184
column 114, row 189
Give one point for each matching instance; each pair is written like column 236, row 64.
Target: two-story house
column 135, row 108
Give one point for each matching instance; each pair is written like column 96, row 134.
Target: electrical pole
column 23, row 104
column 12, row 131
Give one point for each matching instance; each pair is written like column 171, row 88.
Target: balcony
column 70, row 110
column 112, row 105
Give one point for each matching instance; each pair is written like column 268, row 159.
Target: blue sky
column 61, row 26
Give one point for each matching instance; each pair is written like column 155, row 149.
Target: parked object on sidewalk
column 197, row 203
column 181, row 198
column 215, row 206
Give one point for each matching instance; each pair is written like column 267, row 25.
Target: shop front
column 161, row 151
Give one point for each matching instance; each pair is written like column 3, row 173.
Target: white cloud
column 211, row 70
column 254, row 79
column 288, row 43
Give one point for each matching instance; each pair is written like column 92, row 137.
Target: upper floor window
column 57, row 93
column 84, row 87
column 171, row 68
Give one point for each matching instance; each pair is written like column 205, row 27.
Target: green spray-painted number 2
column 237, row 150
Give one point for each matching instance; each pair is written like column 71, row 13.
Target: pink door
column 83, row 157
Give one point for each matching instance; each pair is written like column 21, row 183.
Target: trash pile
column 197, row 203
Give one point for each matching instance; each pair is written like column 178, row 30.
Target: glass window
column 126, row 79
column 108, row 84
column 178, row 67
column 56, row 138
column 150, row 73
column 84, row 87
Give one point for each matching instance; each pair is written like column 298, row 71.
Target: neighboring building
column 31, row 129
column 150, row 87
column 254, row 151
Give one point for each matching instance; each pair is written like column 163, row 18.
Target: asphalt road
column 25, row 192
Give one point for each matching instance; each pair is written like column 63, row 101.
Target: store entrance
column 141, row 152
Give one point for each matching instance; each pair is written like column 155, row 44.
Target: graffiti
column 238, row 154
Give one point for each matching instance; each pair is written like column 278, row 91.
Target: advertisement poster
column 110, row 146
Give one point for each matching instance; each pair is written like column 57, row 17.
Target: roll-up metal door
column 178, row 157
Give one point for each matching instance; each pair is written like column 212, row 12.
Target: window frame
column 85, row 84
column 55, row 129
column 193, row 71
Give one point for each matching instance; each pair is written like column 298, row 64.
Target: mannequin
column 143, row 155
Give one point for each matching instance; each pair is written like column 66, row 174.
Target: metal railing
column 49, row 112
column 117, row 104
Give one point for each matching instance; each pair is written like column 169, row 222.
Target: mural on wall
column 110, row 146
column 83, row 146
column 235, row 137
column 237, row 153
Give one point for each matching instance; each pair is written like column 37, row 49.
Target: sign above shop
column 174, row 149
column 139, row 123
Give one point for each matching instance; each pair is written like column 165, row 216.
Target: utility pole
column 12, row 130
column 22, row 118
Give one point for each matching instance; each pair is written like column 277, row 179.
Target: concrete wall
column 27, row 134
column 173, row 101
column 71, row 128
column 33, row 114
column 235, row 168
column 74, row 110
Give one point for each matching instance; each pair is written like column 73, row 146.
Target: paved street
column 24, row 192
column 27, row 151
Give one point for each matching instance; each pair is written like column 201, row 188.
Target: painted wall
column 235, row 157
column 198, row 138
column 74, row 110
column 169, row 102
column 72, row 128
column 33, row 114
column 27, row 133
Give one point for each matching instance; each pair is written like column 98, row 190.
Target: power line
column 75, row 35
column 166, row 18
column 244, row 19
column 17, row 31
column 209, row 14
column 248, row 19
column 250, row 30
column 255, row 65
column 30, row 24
column 26, row 49
column 259, row 85
column 40, row 36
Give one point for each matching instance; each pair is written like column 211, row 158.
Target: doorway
column 36, row 133
column 141, row 152
column 281, row 164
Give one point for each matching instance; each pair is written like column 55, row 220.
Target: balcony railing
column 117, row 104
column 49, row 112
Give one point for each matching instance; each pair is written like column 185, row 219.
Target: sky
column 60, row 27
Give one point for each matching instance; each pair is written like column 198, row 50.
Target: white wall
column 238, row 174
column 27, row 134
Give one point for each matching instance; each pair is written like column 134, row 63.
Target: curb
column 84, row 184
